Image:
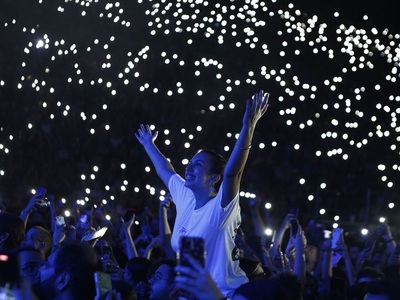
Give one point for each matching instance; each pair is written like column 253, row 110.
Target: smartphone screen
column 327, row 234
column 60, row 221
column 83, row 218
column 336, row 235
column 335, row 238
column 94, row 235
column 103, row 283
column 194, row 246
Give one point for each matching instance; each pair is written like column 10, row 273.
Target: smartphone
column 41, row 191
column 83, row 218
column 103, row 283
column 327, row 234
column 193, row 246
column 94, row 235
column 108, row 260
column 335, row 237
column 60, row 220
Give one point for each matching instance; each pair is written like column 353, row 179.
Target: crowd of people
column 47, row 260
column 112, row 252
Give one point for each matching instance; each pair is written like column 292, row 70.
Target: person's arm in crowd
column 255, row 109
column 277, row 242
column 130, row 247
column 241, row 242
column 394, row 258
column 52, row 208
column 75, row 211
column 196, row 281
column 364, row 257
column 299, row 265
column 58, row 237
column 385, row 233
column 162, row 165
column 258, row 223
column 343, row 251
column 35, row 202
column 164, row 228
column 265, row 253
column 155, row 243
column 325, row 266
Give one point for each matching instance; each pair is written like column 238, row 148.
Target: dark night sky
column 54, row 128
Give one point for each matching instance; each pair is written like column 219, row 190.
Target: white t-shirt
column 217, row 226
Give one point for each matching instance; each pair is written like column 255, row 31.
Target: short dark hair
column 138, row 267
column 14, row 226
column 81, row 262
column 166, row 261
column 369, row 272
column 262, row 289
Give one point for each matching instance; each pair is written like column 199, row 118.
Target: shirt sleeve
column 179, row 192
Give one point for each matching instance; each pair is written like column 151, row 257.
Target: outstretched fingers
column 265, row 102
column 260, row 102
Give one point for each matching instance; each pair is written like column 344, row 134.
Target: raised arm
column 256, row 218
column 299, row 267
column 255, row 109
column 164, row 228
column 163, row 167
column 35, row 202
column 130, row 247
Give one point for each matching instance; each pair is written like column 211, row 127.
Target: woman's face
column 197, row 173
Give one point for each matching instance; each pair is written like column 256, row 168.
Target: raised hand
column 145, row 136
column 167, row 202
column 35, row 202
column 256, row 108
column 126, row 226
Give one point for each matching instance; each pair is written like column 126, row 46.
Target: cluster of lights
column 150, row 48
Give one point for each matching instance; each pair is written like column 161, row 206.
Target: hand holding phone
column 108, row 261
column 193, row 246
column 40, row 196
column 103, row 283
column 40, row 193
column 60, row 220
column 336, row 237
column 94, row 235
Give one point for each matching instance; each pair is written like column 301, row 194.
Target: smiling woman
column 207, row 200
